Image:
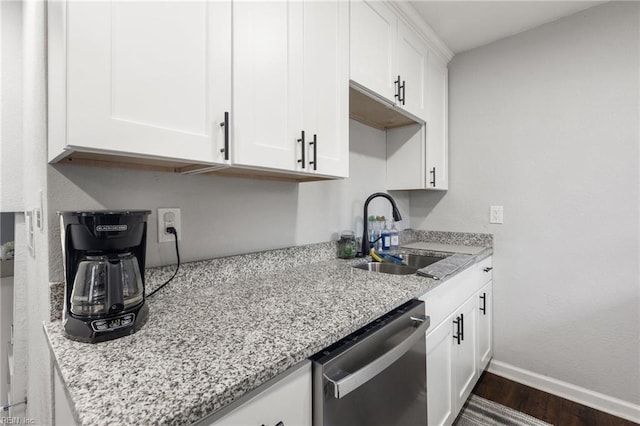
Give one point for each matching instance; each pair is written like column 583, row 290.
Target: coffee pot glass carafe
column 106, row 284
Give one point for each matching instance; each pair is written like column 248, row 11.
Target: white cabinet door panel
column 412, row 68
column 267, row 83
column 466, row 373
column 437, row 124
column 326, row 86
column 373, row 44
column 485, row 326
column 133, row 88
column 440, row 409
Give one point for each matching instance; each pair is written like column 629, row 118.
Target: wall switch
column 166, row 218
column 496, row 214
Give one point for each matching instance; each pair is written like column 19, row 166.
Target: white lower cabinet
column 287, row 402
column 465, row 351
column 485, row 328
column 459, row 342
column 440, row 374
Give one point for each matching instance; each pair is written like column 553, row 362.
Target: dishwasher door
column 377, row 375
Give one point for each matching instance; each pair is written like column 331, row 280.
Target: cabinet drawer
column 448, row 296
column 288, row 400
column 444, row 299
column 485, row 269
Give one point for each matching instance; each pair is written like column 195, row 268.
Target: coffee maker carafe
column 104, row 255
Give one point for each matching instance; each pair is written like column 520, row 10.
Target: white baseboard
column 614, row 406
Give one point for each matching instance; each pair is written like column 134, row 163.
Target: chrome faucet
column 365, row 218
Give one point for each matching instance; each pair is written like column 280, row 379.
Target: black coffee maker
column 103, row 254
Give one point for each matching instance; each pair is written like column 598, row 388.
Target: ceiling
column 464, row 25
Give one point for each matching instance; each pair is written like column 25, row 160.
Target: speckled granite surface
column 454, row 238
column 222, row 328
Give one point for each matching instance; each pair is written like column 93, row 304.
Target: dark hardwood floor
column 549, row 408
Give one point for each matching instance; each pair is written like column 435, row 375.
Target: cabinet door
column 465, row 352
column 373, row 44
column 153, row 90
column 267, row 84
column 440, row 408
column 326, row 87
column 412, row 55
column 485, row 326
column 437, row 124
column 405, row 157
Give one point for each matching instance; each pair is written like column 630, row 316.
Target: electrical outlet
column 167, row 218
column 496, row 214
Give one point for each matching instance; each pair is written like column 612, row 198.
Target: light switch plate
column 496, row 214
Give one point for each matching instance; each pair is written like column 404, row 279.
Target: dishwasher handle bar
column 341, row 388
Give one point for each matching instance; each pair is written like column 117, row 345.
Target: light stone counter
column 222, row 328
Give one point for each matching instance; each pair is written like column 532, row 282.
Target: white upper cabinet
column 201, row 85
column 267, row 83
column 373, row 47
column 412, row 71
column 417, row 156
column 291, row 71
column 148, row 79
column 387, row 57
column 437, row 138
column 326, row 87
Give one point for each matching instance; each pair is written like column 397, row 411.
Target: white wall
column 10, row 106
column 31, row 272
column 545, row 123
column 224, row 216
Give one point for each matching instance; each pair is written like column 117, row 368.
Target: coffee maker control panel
column 113, row 323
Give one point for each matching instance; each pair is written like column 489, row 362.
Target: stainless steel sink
column 418, row 262
column 387, row 268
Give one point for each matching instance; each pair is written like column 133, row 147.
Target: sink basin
column 418, row 262
column 387, row 268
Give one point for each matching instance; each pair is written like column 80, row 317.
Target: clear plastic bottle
column 395, row 238
column 386, row 237
column 373, row 233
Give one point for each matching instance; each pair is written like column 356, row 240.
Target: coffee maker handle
column 114, row 288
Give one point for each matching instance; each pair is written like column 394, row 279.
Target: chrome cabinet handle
column 345, row 385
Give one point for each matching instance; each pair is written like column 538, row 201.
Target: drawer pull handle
column 458, row 335
column 225, row 124
column 483, row 309
column 303, row 147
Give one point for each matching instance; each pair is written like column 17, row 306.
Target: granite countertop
column 222, row 328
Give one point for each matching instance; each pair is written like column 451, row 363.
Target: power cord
column 173, row 231
column 6, row 407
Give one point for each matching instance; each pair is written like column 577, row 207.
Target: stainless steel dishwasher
column 376, row 375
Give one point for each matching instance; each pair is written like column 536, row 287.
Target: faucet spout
column 396, row 216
